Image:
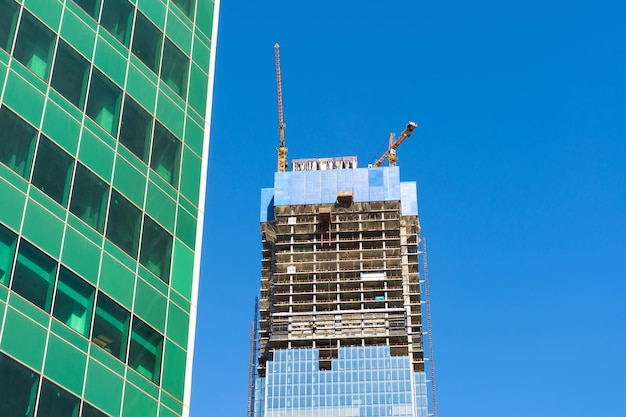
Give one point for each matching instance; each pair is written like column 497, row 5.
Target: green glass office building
column 104, row 135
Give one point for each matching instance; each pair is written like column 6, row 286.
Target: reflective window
column 123, row 225
column 17, row 142
column 136, row 129
column 8, row 18
column 103, row 105
column 186, row 6
column 174, row 68
column 53, row 170
column 146, row 347
column 89, row 411
column 7, row 250
column 147, row 42
column 90, row 6
column 34, row 276
column 54, row 401
column 34, row 45
column 73, row 302
column 110, row 328
column 89, row 198
column 165, row 154
column 69, row 76
column 18, row 386
column 156, row 249
column 116, row 18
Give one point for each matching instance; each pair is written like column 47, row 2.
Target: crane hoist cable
column 391, row 151
column 282, row 150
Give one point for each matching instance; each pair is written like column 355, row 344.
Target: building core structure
column 339, row 329
column 104, row 136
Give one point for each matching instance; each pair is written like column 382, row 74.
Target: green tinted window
column 89, row 411
column 7, row 250
column 53, row 169
column 110, row 328
column 174, row 68
column 156, row 249
column 69, row 76
column 17, row 142
column 165, row 154
column 186, row 6
column 90, row 6
column 73, row 302
column 34, row 276
column 147, row 42
column 136, row 129
column 103, row 104
column 34, row 45
column 18, row 386
column 146, row 348
column 8, row 17
column 124, row 223
column 89, row 198
column 116, row 18
column 54, row 401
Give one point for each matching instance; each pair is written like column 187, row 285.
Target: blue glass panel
column 329, row 186
column 313, row 187
column 409, row 198
column 360, row 185
column 297, row 187
column 281, row 188
column 267, row 204
column 393, row 184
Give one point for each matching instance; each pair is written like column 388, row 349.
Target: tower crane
column 282, row 150
column 391, row 151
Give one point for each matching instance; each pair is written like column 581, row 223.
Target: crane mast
column 391, row 151
column 282, row 150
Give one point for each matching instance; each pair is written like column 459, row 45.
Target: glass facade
column 364, row 381
column 104, row 108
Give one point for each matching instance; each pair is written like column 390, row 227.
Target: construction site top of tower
column 322, row 164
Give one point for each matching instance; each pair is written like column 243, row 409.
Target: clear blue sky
column 520, row 159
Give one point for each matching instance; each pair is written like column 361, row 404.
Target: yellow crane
column 282, row 150
column 391, row 151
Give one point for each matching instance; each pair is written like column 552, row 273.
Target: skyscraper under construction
column 339, row 330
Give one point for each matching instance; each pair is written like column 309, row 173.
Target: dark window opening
column 136, row 129
column 34, row 45
column 54, row 401
column 147, row 42
column 186, row 6
column 103, row 104
column 53, row 170
column 116, row 18
column 18, row 386
column 174, row 68
column 17, row 142
column 146, row 347
column 69, row 76
column 110, row 328
column 123, row 225
column 34, row 276
column 165, row 154
column 92, row 7
column 8, row 19
column 156, row 249
column 89, row 198
column 8, row 240
column 73, row 303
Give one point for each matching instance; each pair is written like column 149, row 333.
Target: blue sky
column 520, row 160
